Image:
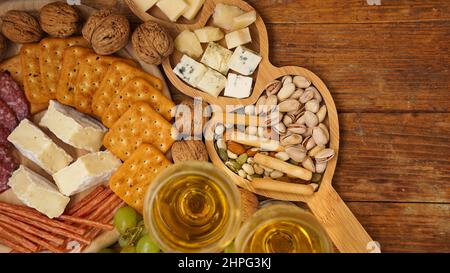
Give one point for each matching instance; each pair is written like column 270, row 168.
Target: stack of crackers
column 126, row 99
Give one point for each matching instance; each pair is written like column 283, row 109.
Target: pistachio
column 290, row 140
column 297, row 94
column 296, row 128
column 311, row 119
column 312, row 106
column 276, row 174
column 316, row 93
column 325, row 155
column 223, row 154
column 288, row 105
column 233, row 165
column 301, row 119
column 314, row 151
column 297, row 153
column 258, row 169
column 308, row 164
column 319, row 136
column 249, row 110
column 301, row 82
column 248, row 169
column 288, row 119
column 273, row 87
column 260, row 104
column 286, row 79
column 242, row 173
column 271, row 103
column 266, row 168
column 308, row 132
column 286, row 91
column 308, row 143
column 325, row 130
column 282, row 156
column 322, row 113
column 231, row 155
column 321, row 166
column 279, row 128
column 307, row 96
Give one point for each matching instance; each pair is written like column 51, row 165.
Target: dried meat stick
column 86, row 222
column 8, row 232
column 86, row 200
column 92, row 205
column 18, row 210
column 104, row 207
column 49, row 228
column 16, row 248
column 30, row 229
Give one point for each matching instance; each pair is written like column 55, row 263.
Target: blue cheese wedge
column 212, row 82
column 189, row 70
column 217, row 57
column 238, row 86
column 244, row 61
column 37, row 192
column 38, row 147
column 74, row 128
column 88, row 171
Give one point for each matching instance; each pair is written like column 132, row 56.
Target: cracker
column 65, row 92
column 140, row 124
column 131, row 180
column 116, row 78
column 51, row 58
column 13, row 66
column 137, row 90
column 92, row 70
column 29, row 59
column 37, row 107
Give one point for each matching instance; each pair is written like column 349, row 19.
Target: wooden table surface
column 387, row 65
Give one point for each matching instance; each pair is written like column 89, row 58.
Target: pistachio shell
column 322, row 113
column 286, row 91
column 258, row 169
column 325, row 130
column 325, row 155
column 286, row 79
column 301, row 119
column 319, row 136
column 271, row 102
column 308, row 164
column 282, row 156
column 311, row 119
column 279, row 128
column 308, row 143
column 248, row 169
column 288, row 119
column 297, row 94
column 301, row 82
column 321, row 167
column 290, row 140
column 273, row 87
column 314, row 151
column 316, row 93
column 276, row 174
column 307, row 96
column 312, row 106
column 297, row 153
column 296, row 128
column 260, row 104
column 288, row 105
column 308, row 132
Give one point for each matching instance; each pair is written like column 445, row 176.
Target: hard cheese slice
column 38, row 147
column 88, row 171
column 37, row 192
column 74, row 128
column 140, row 124
column 132, row 179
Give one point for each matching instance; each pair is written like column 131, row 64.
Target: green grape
column 107, row 250
column 128, row 249
column 124, row 241
column 146, row 245
column 125, row 218
column 139, row 217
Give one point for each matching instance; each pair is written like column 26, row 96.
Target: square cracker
column 51, row 58
column 131, row 180
column 91, row 72
column 117, row 76
column 137, row 89
column 31, row 71
column 65, row 92
column 12, row 65
column 140, row 124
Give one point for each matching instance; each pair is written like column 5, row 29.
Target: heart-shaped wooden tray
column 346, row 232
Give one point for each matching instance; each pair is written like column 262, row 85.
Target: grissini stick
column 282, row 166
column 268, row 184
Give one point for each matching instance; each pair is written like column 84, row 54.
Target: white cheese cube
column 144, row 5
column 37, row 192
column 38, row 147
column 189, row 70
column 173, row 9
column 224, row 14
column 238, row 86
column 193, row 8
column 244, row 61
column 212, row 83
column 244, row 20
column 74, row 128
column 188, row 43
column 238, row 37
column 88, row 171
column 209, row 34
column 217, row 57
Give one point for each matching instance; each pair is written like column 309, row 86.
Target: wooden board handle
column 347, row 234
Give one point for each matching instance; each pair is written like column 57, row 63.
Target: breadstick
column 255, row 141
column 280, row 165
column 12, row 233
column 86, row 222
column 86, row 200
column 268, row 184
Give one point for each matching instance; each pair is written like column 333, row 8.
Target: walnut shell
column 187, row 150
column 94, row 21
column 59, row 19
column 109, row 34
column 152, row 43
column 21, row 27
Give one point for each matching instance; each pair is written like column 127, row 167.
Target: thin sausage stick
column 86, row 200
column 16, row 248
column 9, row 232
column 86, row 222
column 88, row 208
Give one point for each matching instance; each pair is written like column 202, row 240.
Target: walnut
column 107, row 31
column 152, row 43
column 59, row 19
column 3, row 45
column 187, row 150
column 21, row 27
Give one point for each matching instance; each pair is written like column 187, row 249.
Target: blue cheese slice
column 212, row 83
column 38, row 147
column 37, row 192
column 244, row 61
column 217, row 57
column 88, row 171
column 189, row 70
column 74, row 128
column 238, row 86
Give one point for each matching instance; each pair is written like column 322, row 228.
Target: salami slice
column 7, row 117
column 13, row 96
column 7, row 166
column 4, row 133
column 4, row 177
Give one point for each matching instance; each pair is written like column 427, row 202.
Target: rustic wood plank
column 394, row 157
column 372, row 67
column 406, row 227
column 351, row 11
